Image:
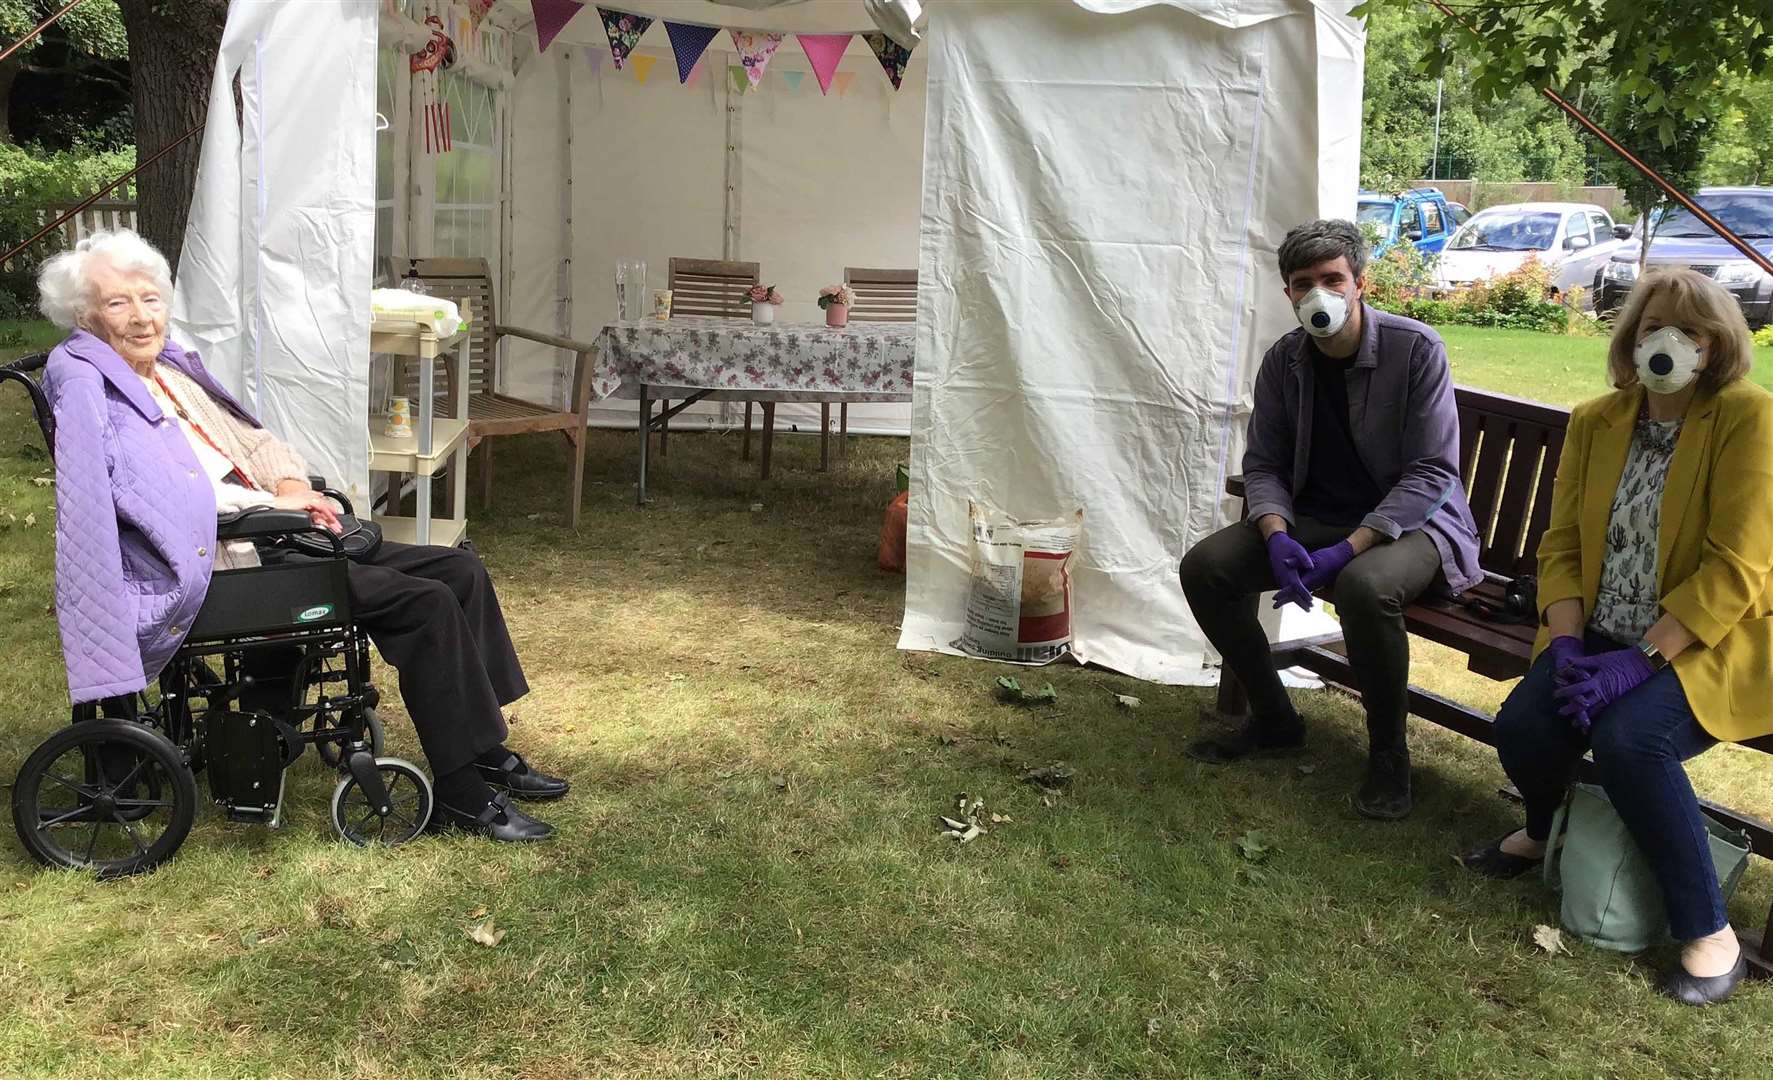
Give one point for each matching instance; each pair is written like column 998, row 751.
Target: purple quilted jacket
column 135, row 517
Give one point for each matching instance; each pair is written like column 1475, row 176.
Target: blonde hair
column 1700, row 304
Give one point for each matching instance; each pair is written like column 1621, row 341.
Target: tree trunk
column 9, row 70
column 172, row 51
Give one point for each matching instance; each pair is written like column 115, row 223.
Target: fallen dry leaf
column 30, row 520
column 1001, row 819
column 485, row 934
column 1549, row 938
column 780, row 781
column 42, row 481
column 478, row 912
column 1127, row 701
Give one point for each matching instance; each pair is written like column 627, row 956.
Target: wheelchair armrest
column 265, row 521
column 318, row 483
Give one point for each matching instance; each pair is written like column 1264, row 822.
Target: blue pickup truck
column 1420, row 216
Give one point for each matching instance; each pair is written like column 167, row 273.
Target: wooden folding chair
column 715, row 288
column 492, row 414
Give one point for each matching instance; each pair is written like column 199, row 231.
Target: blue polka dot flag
column 688, row 42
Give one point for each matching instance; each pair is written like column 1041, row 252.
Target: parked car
column 1680, row 239
column 1420, row 216
column 1574, row 239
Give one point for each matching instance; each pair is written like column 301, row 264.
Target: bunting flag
column 695, row 74
column 624, row 30
column 596, row 60
column 737, row 75
column 551, row 18
column 823, row 51
column 755, row 50
column 793, row 79
column 843, row 80
column 892, row 56
column 688, row 42
column 643, row 66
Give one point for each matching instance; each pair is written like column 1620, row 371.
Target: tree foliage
column 85, row 45
column 1519, row 137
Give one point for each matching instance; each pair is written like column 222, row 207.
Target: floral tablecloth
column 862, row 362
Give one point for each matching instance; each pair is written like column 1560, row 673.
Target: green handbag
column 1611, row 899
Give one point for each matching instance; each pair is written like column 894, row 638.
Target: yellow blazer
column 1714, row 555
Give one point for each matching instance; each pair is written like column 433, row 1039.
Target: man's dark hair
column 1320, row 241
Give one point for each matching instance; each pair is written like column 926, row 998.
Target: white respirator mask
column 1322, row 313
column 1667, row 361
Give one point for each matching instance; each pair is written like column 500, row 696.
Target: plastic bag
column 892, row 534
column 1019, row 606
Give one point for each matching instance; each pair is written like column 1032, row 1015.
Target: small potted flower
column 764, row 301
column 836, row 300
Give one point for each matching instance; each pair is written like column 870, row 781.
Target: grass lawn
column 750, row 881
column 1562, row 370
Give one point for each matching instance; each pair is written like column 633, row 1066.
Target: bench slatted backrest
column 468, row 283
column 712, row 287
column 1508, row 458
column 882, row 295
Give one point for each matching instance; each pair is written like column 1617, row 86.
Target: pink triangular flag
column 823, row 51
column 843, row 80
column 551, row 18
column 694, row 74
column 755, row 50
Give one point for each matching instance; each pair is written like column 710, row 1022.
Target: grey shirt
column 1405, row 423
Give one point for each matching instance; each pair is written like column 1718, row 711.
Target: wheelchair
column 273, row 664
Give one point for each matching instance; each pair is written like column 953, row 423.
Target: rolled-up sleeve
column 1268, row 449
column 1430, row 449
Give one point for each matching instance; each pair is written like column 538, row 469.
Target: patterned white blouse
column 1627, row 604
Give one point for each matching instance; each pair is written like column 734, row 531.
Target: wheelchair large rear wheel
column 113, row 796
column 409, row 801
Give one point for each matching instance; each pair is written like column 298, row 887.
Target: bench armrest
column 1234, row 486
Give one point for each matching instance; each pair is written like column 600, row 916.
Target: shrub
column 1398, row 276
column 1519, row 299
column 1764, row 336
column 30, row 180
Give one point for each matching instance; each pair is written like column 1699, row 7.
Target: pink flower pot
column 837, row 315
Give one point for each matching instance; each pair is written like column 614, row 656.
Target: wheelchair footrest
column 246, row 754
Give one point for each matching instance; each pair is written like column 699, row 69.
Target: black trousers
column 1224, row 576
column 434, row 616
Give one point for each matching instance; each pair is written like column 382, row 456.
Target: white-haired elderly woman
column 149, row 448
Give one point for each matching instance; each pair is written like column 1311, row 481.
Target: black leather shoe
column 498, row 820
column 515, row 776
column 1254, row 739
column 1493, row 862
column 1384, row 794
column 1689, row 989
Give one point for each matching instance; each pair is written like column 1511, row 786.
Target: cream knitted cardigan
column 265, row 459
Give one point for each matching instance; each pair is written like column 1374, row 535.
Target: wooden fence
column 98, row 217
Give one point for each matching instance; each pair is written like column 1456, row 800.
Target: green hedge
column 31, row 178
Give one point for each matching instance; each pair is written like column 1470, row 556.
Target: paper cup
column 399, row 419
column 661, row 304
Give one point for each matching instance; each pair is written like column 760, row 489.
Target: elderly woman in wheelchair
column 194, row 553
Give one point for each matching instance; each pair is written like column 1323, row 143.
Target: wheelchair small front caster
column 331, row 751
column 363, row 817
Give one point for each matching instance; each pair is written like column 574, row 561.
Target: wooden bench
column 1508, row 456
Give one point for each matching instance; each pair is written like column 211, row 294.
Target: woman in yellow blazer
column 1656, row 604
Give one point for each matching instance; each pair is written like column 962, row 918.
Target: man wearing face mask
column 1352, row 481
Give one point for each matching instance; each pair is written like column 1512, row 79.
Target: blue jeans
column 1639, row 743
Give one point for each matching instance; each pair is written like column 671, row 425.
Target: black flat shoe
column 1384, row 794
column 515, row 776
column 498, row 820
column 1493, row 862
column 1254, row 739
column 1690, row 989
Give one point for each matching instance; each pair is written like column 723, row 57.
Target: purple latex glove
column 1288, row 560
column 1591, row 683
column 1326, row 563
column 1563, row 650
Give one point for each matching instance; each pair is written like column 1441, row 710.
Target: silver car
column 1575, row 240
